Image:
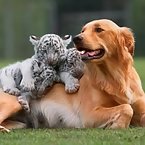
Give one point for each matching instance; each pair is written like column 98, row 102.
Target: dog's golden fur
column 110, row 94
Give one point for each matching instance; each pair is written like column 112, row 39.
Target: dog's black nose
column 77, row 39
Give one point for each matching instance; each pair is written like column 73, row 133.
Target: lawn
column 131, row 136
column 140, row 66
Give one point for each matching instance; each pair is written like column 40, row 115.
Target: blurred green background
column 21, row 18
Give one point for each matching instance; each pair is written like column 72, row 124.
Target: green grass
column 140, row 67
column 134, row 136
column 131, row 136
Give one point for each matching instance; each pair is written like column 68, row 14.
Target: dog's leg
column 113, row 117
column 139, row 112
column 9, row 105
column 9, row 124
column 4, row 129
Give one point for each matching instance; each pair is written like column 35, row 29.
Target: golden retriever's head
column 103, row 38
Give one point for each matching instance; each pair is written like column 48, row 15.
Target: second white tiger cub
column 52, row 62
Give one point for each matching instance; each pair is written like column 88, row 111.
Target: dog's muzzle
column 77, row 39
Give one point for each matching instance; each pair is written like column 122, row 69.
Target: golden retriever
column 110, row 94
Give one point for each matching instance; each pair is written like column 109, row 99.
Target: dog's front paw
column 27, row 85
column 24, row 103
column 72, row 87
column 12, row 91
column 3, row 129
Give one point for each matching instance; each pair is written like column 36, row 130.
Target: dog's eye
column 98, row 30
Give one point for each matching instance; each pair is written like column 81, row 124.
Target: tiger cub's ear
column 67, row 40
column 34, row 40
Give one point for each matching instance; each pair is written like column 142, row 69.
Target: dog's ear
column 127, row 39
column 34, row 40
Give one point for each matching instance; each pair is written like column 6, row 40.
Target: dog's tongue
column 92, row 53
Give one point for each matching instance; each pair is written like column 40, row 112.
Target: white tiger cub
column 17, row 75
column 52, row 62
column 65, row 61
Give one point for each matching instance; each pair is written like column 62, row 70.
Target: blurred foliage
column 20, row 19
column 139, row 26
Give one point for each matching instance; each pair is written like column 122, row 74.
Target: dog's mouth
column 91, row 54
